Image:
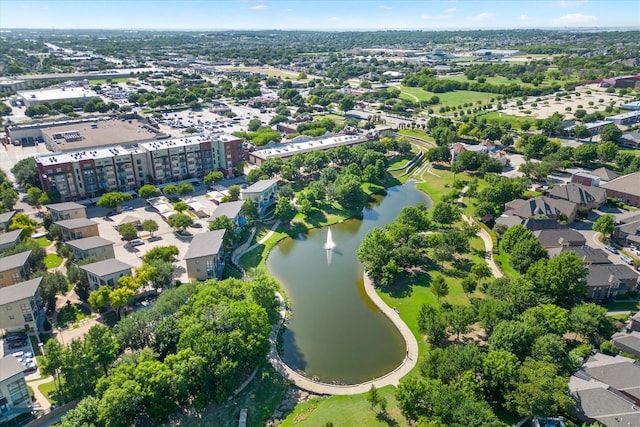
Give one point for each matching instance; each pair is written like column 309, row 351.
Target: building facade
column 204, row 256
column 67, row 210
column 14, row 394
column 20, row 306
column 78, row 228
column 14, row 268
column 106, row 272
column 263, row 193
column 94, row 247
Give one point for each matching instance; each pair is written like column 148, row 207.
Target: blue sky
column 317, row 14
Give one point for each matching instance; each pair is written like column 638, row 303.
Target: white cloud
column 452, row 10
column 287, row 10
column 385, row 7
column 571, row 3
column 334, row 19
column 436, row 17
column 524, row 17
column 575, row 19
column 259, row 7
column 484, row 16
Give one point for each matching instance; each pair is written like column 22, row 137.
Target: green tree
column 607, row 151
column 610, row 133
column 128, row 231
column 284, row 211
column 162, row 253
column 180, row 206
column 212, row 177
column 99, row 299
column 439, row 287
column 525, row 253
column 224, row 223
column 36, row 197
column 548, row 317
column 585, row 153
column 469, row 284
column 148, row 191
column 460, row 318
column 499, row 373
column 606, row 225
column 8, row 196
column 53, row 283
column 180, row 221
column 234, row 192
column 102, row 345
column 348, row 192
column 481, row 270
column 375, row 252
column 22, row 221
column 113, row 200
column 250, row 210
column 512, row 236
column 160, row 273
column 373, row 396
column 589, row 321
column 432, row 323
column 562, row 280
column 185, row 188
column 254, row 125
column 445, row 213
column 150, row 225
column 26, row 172
column 170, row 191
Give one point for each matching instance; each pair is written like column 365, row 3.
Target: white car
column 136, row 242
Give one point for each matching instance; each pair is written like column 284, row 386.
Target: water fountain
column 330, row 244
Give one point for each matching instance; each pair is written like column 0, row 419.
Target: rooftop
column 10, row 236
column 76, row 156
column 285, row 150
column 19, row 291
column 229, row 209
column 71, row 224
column 89, row 243
column 584, row 252
column 602, row 274
column 605, row 174
column 60, row 93
column 66, row 206
column 624, row 184
column 260, row 186
column 108, row 266
column 172, row 143
column 13, row 261
column 205, row 244
column 9, row 367
column 579, row 193
column 630, row 340
column 6, row 217
column 540, row 206
column 559, row 237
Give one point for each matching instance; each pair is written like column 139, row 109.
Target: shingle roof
column 108, row 266
column 586, row 253
column 578, row 193
column 10, row 366
column 65, row 206
column 75, row 223
column 205, row 244
column 540, row 206
column 601, row 274
column 6, row 217
column 630, row 340
column 13, row 261
column 605, row 174
column 19, row 291
column 89, row 243
column 534, row 224
column 629, row 184
column 260, row 186
column 559, row 237
column 229, row 209
column 619, row 372
column 9, row 237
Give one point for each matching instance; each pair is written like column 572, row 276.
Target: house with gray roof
column 559, row 238
column 586, row 253
column 94, row 247
column 625, row 189
column 582, row 195
column 14, row 268
column 634, row 322
column 5, row 220
column 542, row 206
column 232, row 210
column 106, row 272
column 77, row 228
column 66, row 210
column 263, row 193
column 9, row 239
column 605, row 174
column 610, row 280
column 204, row 257
column 630, row 140
column 535, row 224
column 628, row 342
column 15, row 397
column 20, row 306
column 628, row 233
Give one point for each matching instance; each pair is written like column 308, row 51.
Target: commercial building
column 542, row 206
column 14, row 394
column 86, row 174
column 77, row 228
column 625, row 119
column 72, row 95
column 14, row 268
column 66, row 210
column 94, row 247
column 263, row 193
column 106, row 272
column 632, row 81
column 20, row 307
column 204, row 256
column 625, row 189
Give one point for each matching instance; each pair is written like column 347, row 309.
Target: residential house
column 627, row 342
column 5, row 220
column 9, row 239
column 66, row 210
column 610, row 280
column 585, row 178
column 628, row 232
column 509, row 220
column 542, row 206
column 583, row 196
column 14, row 394
column 586, row 253
column 630, row 140
column 535, row 224
column 634, row 322
column 78, row 228
column 94, row 247
column 20, row 306
column 14, row 268
column 561, row 237
column 106, row 272
column 232, row 210
column 604, row 174
column 625, row 189
column 204, row 256
column 263, row 193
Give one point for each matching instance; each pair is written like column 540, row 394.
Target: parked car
column 17, row 344
column 611, row 249
column 11, row 338
column 155, row 238
column 196, row 225
column 626, row 259
column 136, row 242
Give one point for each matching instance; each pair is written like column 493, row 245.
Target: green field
column 514, row 121
column 43, row 241
column 500, row 80
column 52, row 261
column 112, row 80
column 447, row 99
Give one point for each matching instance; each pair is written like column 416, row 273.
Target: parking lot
column 19, row 345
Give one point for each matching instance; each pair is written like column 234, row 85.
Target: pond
column 336, row 334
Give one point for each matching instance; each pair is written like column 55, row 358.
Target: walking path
column 392, row 378
column 236, row 256
column 41, row 402
column 486, row 238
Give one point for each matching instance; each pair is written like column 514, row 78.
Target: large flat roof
column 64, row 206
column 287, row 150
column 87, row 243
column 9, row 367
column 205, row 244
column 108, row 266
column 625, row 184
column 75, row 223
column 19, row 291
column 76, row 156
column 56, row 94
column 174, row 142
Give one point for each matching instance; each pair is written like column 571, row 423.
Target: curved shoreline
column 391, row 378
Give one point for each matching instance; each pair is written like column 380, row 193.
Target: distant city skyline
column 318, row 15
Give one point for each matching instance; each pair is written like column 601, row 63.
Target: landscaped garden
column 71, row 314
column 52, row 261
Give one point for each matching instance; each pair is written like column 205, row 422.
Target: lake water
column 336, row 334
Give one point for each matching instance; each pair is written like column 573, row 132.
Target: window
column 28, row 317
column 139, row 161
column 18, row 391
column 197, row 261
column 9, row 308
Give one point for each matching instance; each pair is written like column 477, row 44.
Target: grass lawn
column 496, row 116
column 72, row 313
column 43, row 241
column 346, row 411
column 113, row 80
column 420, row 134
column 52, row 261
column 447, row 99
column 503, row 262
column 397, row 162
column 623, row 305
column 49, row 390
column 261, row 397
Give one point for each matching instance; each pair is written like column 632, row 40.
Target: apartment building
column 67, row 210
